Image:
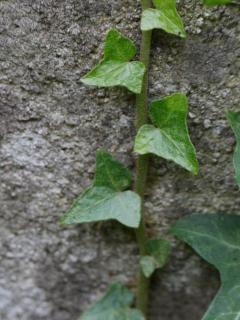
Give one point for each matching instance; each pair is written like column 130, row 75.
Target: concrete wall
column 51, row 126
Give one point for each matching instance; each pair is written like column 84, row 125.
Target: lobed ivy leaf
column 165, row 17
column 216, row 2
column 106, row 199
column 234, row 120
column 100, row 204
column 216, row 238
column 158, row 251
column 169, row 137
column 116, row 69
column 114, row 305
column 111, row 173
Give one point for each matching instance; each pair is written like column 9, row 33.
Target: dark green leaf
column 165, row 17
column 234, row 120
column 158, row 251
column 104, row 200
column 216, row 2
column 111, row 173
column 169, row 137
column 115, row 305
column 216, row 238
column 115, row 68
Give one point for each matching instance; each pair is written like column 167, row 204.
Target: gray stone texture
column 50, row 127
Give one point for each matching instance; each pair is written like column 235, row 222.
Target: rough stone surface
column 51, row 126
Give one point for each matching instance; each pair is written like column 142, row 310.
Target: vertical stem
column 142, row 162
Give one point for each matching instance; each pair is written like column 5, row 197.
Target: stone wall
column 50, row 127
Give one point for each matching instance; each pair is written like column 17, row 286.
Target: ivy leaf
column 111, row 173
column 216, row 2
column 106, row 200
column 114, row 305
column 234, row 120
column 169, row 137
column 216, row 238
column 115, row 68
column 148, row 265
column 158, row 251
column 100, row 203
column 165, row 17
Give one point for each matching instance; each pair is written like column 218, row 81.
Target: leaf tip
column 195, row 169
column 84, row 79
column 62, row 220
column 183, row 34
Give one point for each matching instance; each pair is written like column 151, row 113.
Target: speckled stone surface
column 51, row 126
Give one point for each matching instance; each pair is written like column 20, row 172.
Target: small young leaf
column 158, row 251
column 104, row 200
column 216, row 2
column 165, row 17
column 115, row 68
column 148, row 265
column 114, row 305
column 234, row 120
column 170, row 138
column 216, row 238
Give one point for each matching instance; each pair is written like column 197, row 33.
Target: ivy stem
column 142, row 163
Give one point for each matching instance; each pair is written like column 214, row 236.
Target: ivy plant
column 216, row 238
column 161, row 130
column 157, row 253
column 116, row 69
column 164, row 16
column 107, row 199
column 114, row 305
column 168, row 136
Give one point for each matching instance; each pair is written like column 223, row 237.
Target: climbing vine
column 162, row 130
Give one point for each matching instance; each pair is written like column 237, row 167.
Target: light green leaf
column 115, row 68
column 234, row 120
column 216, row 238
column 114, row 305
column 165, row 17
column 104, row 200
column 148, row 265
column 216, row 2
column 169, row 137
column 158, row 251
column 101, row 203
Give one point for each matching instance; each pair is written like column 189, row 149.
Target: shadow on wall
column 184, row 302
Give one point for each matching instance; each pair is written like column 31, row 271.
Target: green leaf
column 165, row 17
column 115, row 68
column 158, row 251
column 216, row 237
column 169, row 137
column 105, row 199
column 101, row 203
column 114, row 305
column 148, row 265
column 111, row 173
column 216, row 2
column 234, row 120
